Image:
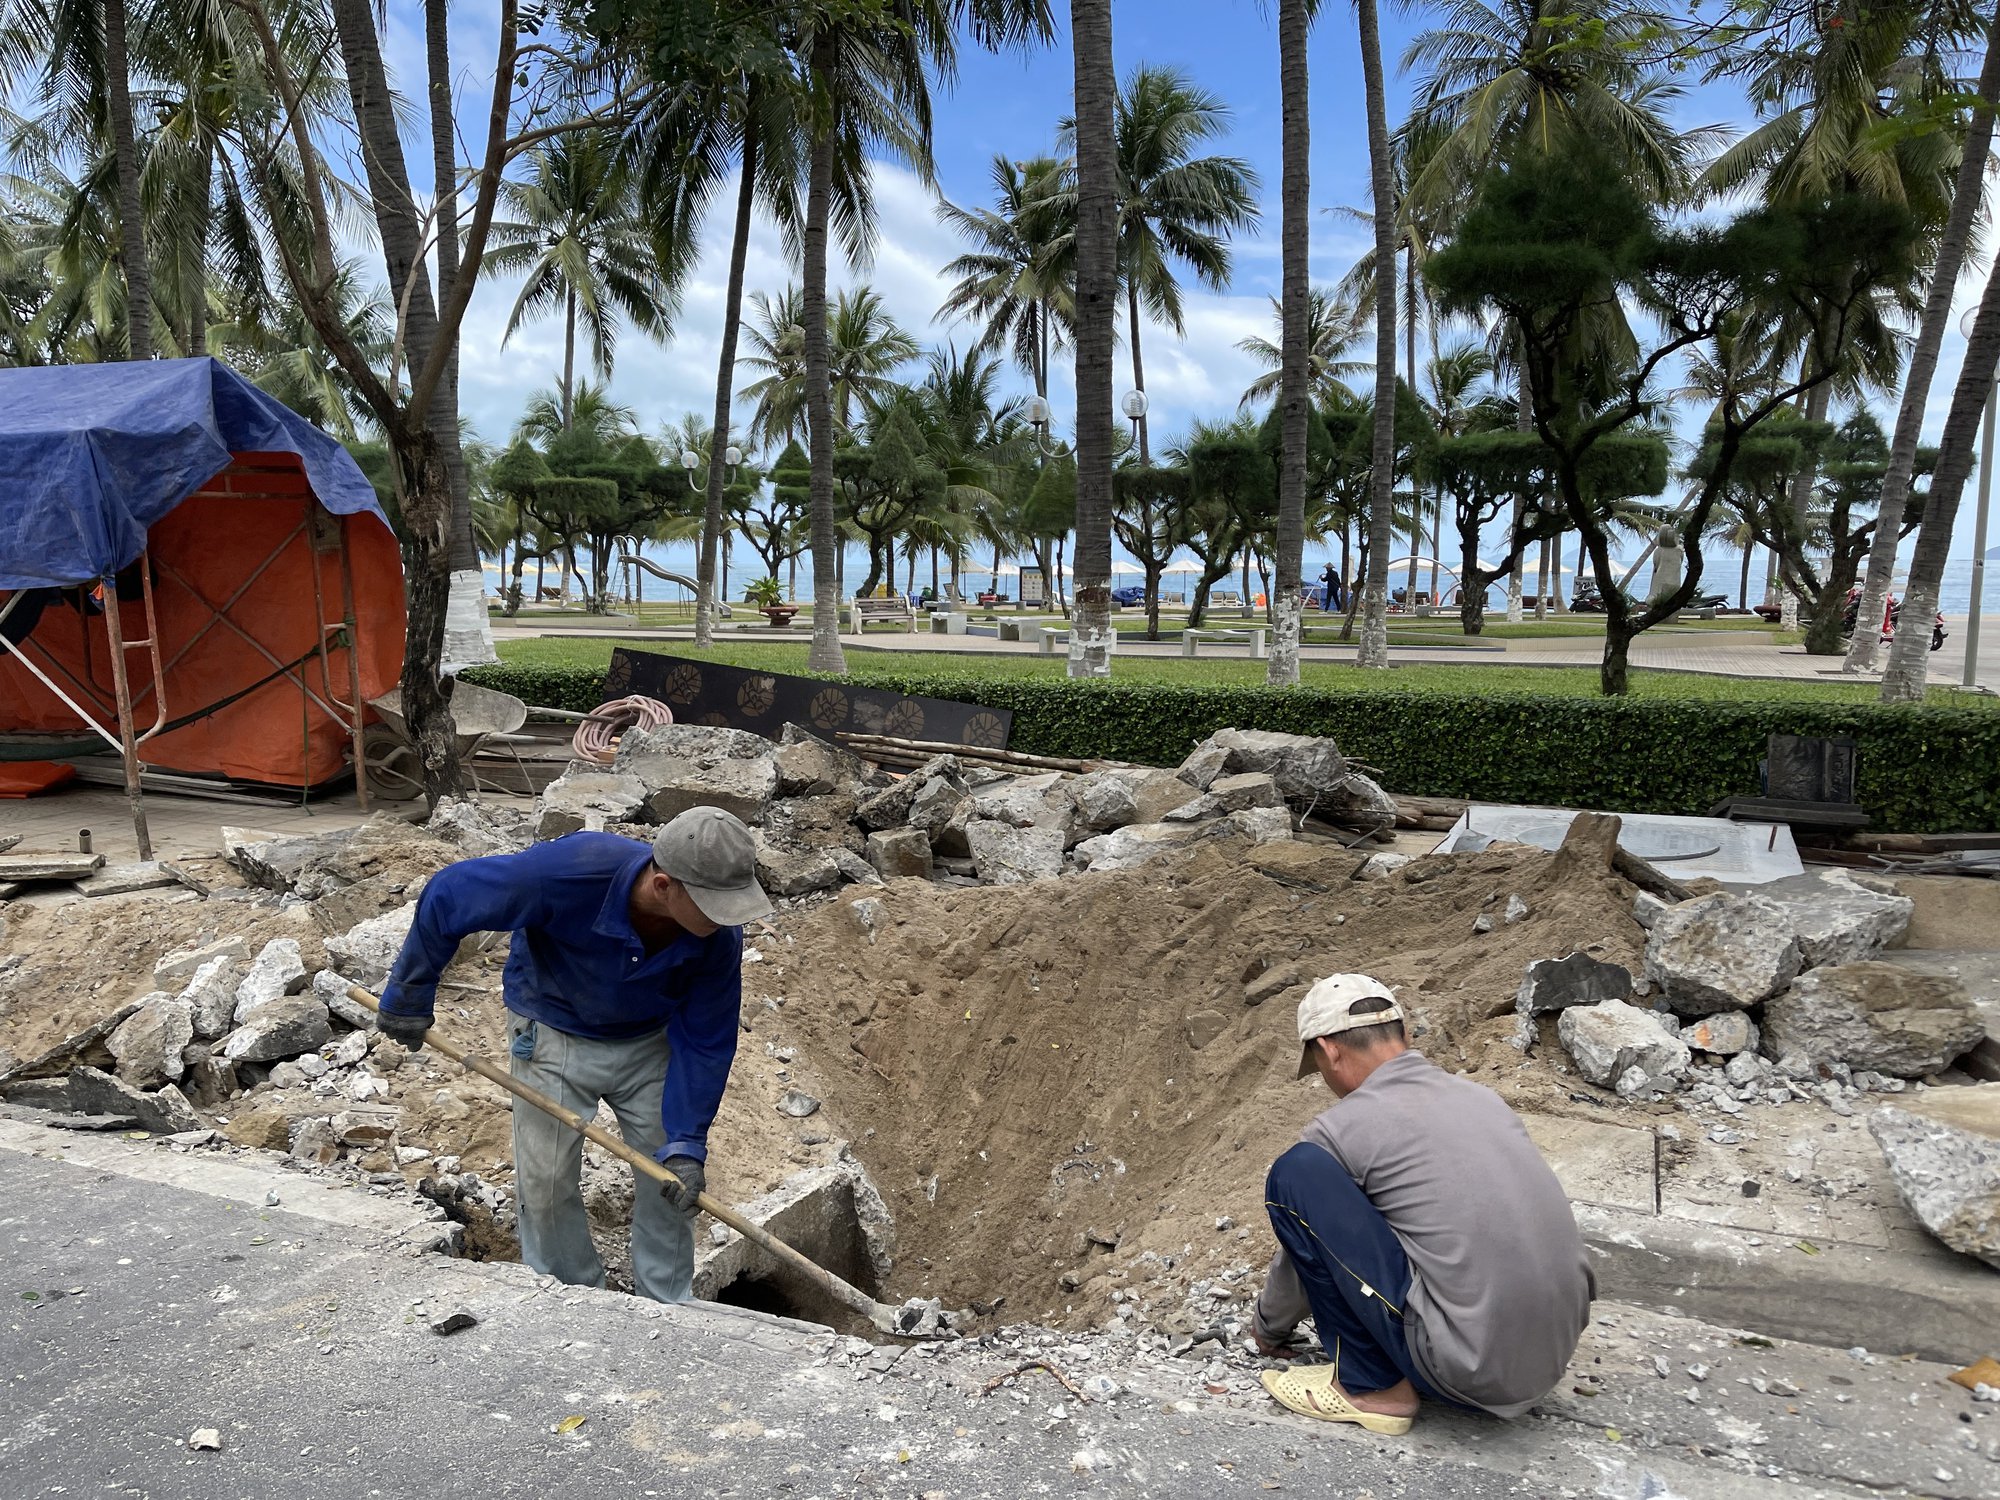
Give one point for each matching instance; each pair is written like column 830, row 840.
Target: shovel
column 886, row 1319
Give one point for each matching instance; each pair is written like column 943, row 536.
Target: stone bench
column 1192, row 640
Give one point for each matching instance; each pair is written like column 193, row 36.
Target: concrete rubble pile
column 825, row 818
column 1762, row 997
column 269, row 1043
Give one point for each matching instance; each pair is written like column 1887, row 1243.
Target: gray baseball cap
column 711, row 853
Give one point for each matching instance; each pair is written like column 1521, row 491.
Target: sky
column 1009, row 104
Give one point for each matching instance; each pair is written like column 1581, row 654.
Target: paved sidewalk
column 1728, row 653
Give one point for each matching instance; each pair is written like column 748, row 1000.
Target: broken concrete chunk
column 480, row 828
column 1838, row 919
column 278, row 864
column 890, row 807
column 1229, row 794
column 330, row 989
column 900, row 853
column 166, row 1112
column 313, row 1142
column 1204, row 763
column 211, row 996
column 1516, row 912
column 1260, row 825
column 1646, row 908
column 1943, row 1152
column 148, row 1043
column 784, row 871
column 1306, row 768
column 820, row 822
column 1105, row 800
column 1356, row 801
column 1040, row 801
column 701, row 765
column 367, row 951
column 1553, row 984
column 809, row 766
column 942, row 810
column 587, row 796
column 183, row 962
column 853, row 867
column 281, row 1029
column 1726, row 1033
column 1155, row 792
column 1609, row 1039
column 1005, row 855
column 277, row 971
column 1721, row 952
column 1381, row 866
column 367, row 1125
column 1203, row 1027
column 1876, row 1016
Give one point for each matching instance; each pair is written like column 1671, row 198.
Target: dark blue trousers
column 1352, row 1267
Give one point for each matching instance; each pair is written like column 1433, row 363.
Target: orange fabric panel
column 24, row 778
column 244, row 547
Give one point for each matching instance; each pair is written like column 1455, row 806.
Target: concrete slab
column 1686, row 848
column 1979, row 972
column 1607, row 1165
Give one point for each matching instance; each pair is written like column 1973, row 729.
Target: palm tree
column 1094, row 132
column 1829, row 125
column 1295, row 386
column 1018, row 280
column 865, row 348
column 1172, row 204
column 284, row 354
column 586, row 249
column 685, row 148
column 1334, row 324
column 1374, row 649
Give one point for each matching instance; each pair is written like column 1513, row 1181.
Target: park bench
column 1052, row 636
column 1191, row 641
column 896, row 611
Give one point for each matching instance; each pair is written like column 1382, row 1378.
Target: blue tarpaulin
column 92, row 455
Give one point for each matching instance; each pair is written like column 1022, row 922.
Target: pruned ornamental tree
column 1554, row 243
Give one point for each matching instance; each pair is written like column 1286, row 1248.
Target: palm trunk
column 1524, row 421
column 725, row 375
column 421, row 444
column 1903, row 681
column 1374, row 650
column 568, row 392
column 444, row 183
column 1138, row 365
column 131, row 223
column 1294, row 390
column 1743, row 583
column 1542, row 580
column 1096, row 312
column 197, row 294
column 1799, row 501
column 1951, row 248
column 826, row 654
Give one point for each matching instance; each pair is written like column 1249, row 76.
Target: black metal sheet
column 707, row 692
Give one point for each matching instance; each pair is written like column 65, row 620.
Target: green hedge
column 1921, row 769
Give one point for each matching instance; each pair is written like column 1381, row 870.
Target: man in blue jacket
column 624, row 983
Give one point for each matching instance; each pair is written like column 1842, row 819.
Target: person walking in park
column 623, row 985
column 1420, row 1228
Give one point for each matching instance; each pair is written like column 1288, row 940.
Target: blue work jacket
column 577, row 965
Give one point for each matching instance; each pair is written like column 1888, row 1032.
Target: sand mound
column 1061, row 1087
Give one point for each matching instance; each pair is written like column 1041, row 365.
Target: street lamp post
column 691, row 460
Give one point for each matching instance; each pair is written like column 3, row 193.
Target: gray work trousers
column 548, row 1157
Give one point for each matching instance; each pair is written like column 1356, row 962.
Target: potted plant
column 769, row 598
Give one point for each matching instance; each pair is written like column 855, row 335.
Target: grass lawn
column 1493, row 681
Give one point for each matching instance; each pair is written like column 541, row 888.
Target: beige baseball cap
column 710, row 852
column 1325, row 1011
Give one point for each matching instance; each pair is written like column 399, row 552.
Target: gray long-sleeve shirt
column 1500, row 1284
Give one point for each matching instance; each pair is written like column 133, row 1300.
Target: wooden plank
column 26, row 867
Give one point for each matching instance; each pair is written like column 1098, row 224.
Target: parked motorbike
column 1892, row 615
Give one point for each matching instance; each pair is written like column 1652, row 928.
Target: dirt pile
column 1065, row 1088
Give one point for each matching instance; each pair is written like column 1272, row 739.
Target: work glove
column 693, row 1179
column 409, row 1030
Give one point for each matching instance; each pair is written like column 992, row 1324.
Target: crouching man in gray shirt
column 1422, row 1230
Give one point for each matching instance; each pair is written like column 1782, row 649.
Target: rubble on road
column 1620, row 1047
column 1943, row 1150
column 149, row 1043
column 1721, row 952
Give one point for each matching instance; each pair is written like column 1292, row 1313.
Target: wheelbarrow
column 389, row 759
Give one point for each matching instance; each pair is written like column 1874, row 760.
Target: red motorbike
column 1892, row 612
